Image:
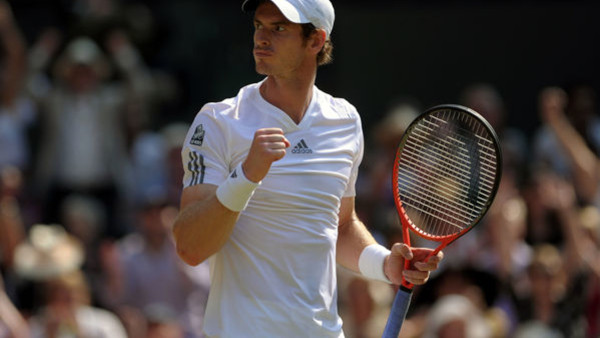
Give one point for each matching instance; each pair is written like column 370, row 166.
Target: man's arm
column 354, row 237
column 203, row 225
column 586, row 165
column 205, row 221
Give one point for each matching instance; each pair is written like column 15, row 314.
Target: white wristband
column 235, row 192
column 370, row 262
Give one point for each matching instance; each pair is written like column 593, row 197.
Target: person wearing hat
column 83, row 133
column 52, row 258
column 269, row 189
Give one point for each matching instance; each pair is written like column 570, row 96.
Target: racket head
column 446, row 173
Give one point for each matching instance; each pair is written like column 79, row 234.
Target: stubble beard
column 261, row 67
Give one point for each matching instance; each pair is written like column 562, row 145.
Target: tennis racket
column 446, row 174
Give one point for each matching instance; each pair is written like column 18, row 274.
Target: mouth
column 262, row 52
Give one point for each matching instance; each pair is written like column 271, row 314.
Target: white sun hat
column 48, row 252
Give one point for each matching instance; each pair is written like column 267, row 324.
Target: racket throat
column 406, row 285
column 438, row 249
column 406, row 239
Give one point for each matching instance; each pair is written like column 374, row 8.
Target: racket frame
column 405, row 220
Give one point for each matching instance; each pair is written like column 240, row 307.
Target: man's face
column 279, row 46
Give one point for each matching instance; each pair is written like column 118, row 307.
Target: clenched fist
column 268, row 146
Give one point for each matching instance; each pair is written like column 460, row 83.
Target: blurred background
column 96, row 97
column 429, row 50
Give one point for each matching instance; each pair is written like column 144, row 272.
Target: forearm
column 202, row 228
column 353, row 237
column 585, row 163
column 209, row 213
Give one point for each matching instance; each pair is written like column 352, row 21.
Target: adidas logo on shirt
column 301, row 148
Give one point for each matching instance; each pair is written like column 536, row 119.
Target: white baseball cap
column 318, row 12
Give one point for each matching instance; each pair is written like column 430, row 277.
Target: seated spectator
column 456, row 316
column 143, row 270
column 52, row 258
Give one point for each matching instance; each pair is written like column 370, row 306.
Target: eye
column 257, row 25
column 279, row 28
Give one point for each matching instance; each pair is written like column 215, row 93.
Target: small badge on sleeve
column 198, row 136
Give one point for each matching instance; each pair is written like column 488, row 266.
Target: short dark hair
column 325, row 55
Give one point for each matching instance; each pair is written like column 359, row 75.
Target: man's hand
column 420, row 266
column 268, row 146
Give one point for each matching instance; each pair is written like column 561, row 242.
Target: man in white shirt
column 269, row 190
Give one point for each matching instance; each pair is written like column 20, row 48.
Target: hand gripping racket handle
column 397, row 313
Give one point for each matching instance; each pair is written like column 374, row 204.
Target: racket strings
column 421, row 183
column 458, row 165
column 483, row 141
column 438, row 203
column 461, row 167
column 446, row 173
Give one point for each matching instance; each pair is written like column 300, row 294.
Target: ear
column 317, row 41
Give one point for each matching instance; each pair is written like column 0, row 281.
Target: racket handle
column 397, row 313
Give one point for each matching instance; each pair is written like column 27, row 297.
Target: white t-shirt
column 92, row 322
column 275, row 277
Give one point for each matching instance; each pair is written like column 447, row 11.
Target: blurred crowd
column 532, row 267
column 89, row 187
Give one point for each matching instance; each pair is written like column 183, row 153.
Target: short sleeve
column 204, row 153
column 351, row 187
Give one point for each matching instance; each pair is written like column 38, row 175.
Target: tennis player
column 269, row 190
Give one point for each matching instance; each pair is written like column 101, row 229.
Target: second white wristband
column 370, row 262
column 235, row 192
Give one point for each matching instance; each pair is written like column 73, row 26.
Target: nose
column 261, row 37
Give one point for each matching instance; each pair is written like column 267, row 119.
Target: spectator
column 456, row 316
column 52, row 258
column 85, row 219
column 144, row 270
column 487, row 101
column 67, row 311
column 578, row 152
column 83, row 145
column 568, row 142
column 540, row 305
